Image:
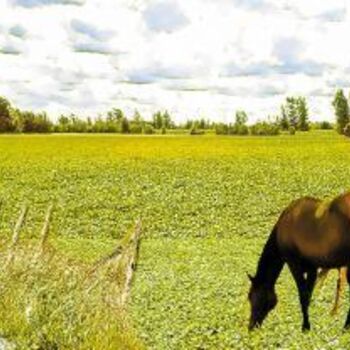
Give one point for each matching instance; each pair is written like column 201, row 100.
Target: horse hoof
column 306, row 328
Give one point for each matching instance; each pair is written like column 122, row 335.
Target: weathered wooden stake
column 125, row 253
column 132, row 256
column 45, row 229
column 15, row 236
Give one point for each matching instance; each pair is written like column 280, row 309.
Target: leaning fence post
column 1, row 210
column 131, row 264
column 45, row 229
column 15, row 235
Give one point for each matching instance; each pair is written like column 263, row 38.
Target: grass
column 207, row 205
column 192, row 294
column 52, row 302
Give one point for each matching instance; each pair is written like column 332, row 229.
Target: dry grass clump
column 51, row 302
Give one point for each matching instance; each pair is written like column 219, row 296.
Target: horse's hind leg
column 305, row 279
column 340, row 287
column 347, row 322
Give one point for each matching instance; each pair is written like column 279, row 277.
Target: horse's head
column 262, row 300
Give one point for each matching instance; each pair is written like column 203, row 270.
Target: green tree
column 157, row 120
column 341, row 108
column 15, row 115
column 113, row 120
column 136, row 124
column 124, row 126
column 302, row 112
column 325, row 125
column 189, row 123
column 241, row 118
column 89, row 125
column 115, row 115
column 202, row 124
column 221, row 129
column 166, row 120
column 28, row 122
column 6, row 123
column 291, row 109
column 284, row 123
column 239, row 127
column 99, row 125
column 63, row 124
column 137, row 117
column 34, row 122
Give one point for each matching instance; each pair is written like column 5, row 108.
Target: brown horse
column 309, row 234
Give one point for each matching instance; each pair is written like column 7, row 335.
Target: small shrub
column 238, row 129
column 291, row 130
column 325, row 125
column 221, row 129
column 242, row 130
column 148, row 129
column 135, row 128
column 195, row 131
column 264, row 129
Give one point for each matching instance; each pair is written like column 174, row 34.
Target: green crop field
column 207, row 205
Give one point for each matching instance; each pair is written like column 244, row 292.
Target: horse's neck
column 270, row 263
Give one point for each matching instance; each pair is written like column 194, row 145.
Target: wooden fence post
column 45, row 229
column 126, row 253
column 132, row 256
column 15, row 235
column 1, row 204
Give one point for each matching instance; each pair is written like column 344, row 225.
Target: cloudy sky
column 203, row 58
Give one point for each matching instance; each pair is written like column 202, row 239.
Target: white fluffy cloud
column 195, row 58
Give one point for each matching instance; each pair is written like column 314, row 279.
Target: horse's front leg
column 305, row 280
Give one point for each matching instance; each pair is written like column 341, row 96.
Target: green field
column 207, row 205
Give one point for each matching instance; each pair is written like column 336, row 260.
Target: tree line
column 293, row 116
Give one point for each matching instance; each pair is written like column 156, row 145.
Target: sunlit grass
column 207, row 204
column 52, row 302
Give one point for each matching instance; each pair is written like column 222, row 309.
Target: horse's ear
column 251, row 278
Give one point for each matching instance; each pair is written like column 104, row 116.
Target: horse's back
column 307, row 227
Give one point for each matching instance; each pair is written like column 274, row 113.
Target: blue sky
column 197, row 58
